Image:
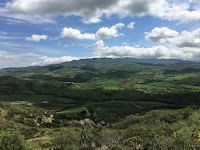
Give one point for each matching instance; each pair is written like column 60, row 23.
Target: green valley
column 116, row 104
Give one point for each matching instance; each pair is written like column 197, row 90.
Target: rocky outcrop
column 44, row 119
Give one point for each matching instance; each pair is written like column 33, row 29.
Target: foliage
column 12, row 140
column 69, row 139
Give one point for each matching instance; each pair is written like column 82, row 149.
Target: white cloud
column 10, row 59
column 153, row 52
column 45, row 60
column 184, row 45
column 14, row 17
column 166, row 35
column 161, row 35
column 118, row 26
column 189, row 39
column 92, row 11
column 99, row 44
column 181, row 13
column 91, row 20
column 131, row 25
column 106, row 32
column 2, row 53
column 36, row 38
column 75, row 34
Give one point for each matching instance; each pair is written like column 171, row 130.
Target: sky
column 42, row 32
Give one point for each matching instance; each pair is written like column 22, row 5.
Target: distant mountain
column 153, row 61
column 119, row 73
column 134, row 60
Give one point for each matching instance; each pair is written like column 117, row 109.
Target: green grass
column 107, row 84
column 161, row 84
column 190, row 87
column 72, row 110
column 104, row 108
column 111, row 108
column 149, row 88
column 181, row 76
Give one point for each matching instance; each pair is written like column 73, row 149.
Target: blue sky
column 41, row 32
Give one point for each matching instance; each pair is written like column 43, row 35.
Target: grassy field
column 112, row 107
column 72, row 110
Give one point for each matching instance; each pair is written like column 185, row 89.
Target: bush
column 69, row 139
column 134, row 142
column 12, row 141
column 107, row 138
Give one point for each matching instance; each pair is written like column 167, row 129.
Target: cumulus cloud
column 36, row 38
column 92, row 11
column 189, row 39
column 106, row 32
column 118, row 26
column 45, row 60
column 99, row 44
column 75, row 34
column 91, row 20
column 166, row 35
column 131, row 25
column 182, row 13
column 152, row 52
column 184, row 45
column 161, row 35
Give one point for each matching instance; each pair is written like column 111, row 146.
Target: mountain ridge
column 154, row 61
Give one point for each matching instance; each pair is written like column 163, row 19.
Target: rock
column 103, row 123
column 87, row 122
column 45, row 119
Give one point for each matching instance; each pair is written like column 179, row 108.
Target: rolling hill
column 132, row 102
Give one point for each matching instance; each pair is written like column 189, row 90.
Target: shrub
column 69, row 139
column 12, row 141
column 108, row 138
